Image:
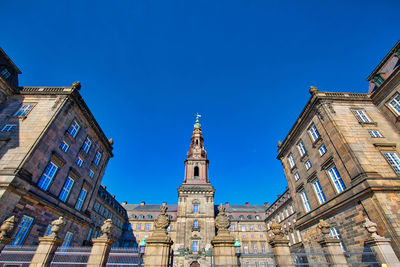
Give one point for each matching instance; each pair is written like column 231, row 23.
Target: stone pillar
column 5, row 234
column 381, row 246
column 331, row 246
column 223, row 243
column 158, row 246
column 280, row 246
column 101, row 246
column 48, row 245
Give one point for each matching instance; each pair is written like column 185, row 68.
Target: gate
column 125, row 257
column 71, row 256
column 17, row 256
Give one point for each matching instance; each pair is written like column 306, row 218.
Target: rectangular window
column 246, row 248
column 301, row 148
column 74, row 129
column 195, row 246
column 97, row 158
column 322, row 149
column 297, row 176
column 375, row 134
column 66, row 189
column 195, row 208
column 333, row 232
column 89, row 236
column 263, row 248
column 7, row 128
column 6, row 73
column 79, row 161
column 293, row 238
column 298, row 235
column 47, row 176
column 91, row 173
column 255, row 250
column 308, row 164
column 393, row 160
column 395, row 103
column 48, row 230
column 361, row 115
column 336, row 179
column 318, row 191
column 81, row 199
column 23, row 110
column 232, row 228
column 139, row 226
column 314, row 132
column 147, row 227
column 291, row 161
column 86, row 146
column 243, row 227
column 22, row 229
column 67, row 240
column 64, row 146
column 306, row 204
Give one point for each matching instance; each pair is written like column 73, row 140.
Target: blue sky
column 147, row 67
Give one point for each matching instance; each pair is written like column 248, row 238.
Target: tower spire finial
column 197, row 124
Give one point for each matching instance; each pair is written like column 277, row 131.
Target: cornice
column 384, row 60
column 378, row 95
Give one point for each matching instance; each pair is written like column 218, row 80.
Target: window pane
column 47, row 176
column 21, row 230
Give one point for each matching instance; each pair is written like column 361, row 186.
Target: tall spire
column 196, row 163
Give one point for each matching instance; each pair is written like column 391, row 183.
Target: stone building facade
column 341, row 159
column 53, row 155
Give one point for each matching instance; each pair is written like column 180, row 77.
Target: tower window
column 196, row 172
column 197, row 142
column 195, row 208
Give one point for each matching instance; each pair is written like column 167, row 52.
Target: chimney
column 124, row 203
column 247, row 204
column 142, row 203
column 226, row 203
column 266, row 204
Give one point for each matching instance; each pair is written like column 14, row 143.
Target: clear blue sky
column 147, row 67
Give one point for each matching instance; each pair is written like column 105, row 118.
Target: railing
column 72, row 256
column 17, row 256
column 357, row 256
column 125, row 257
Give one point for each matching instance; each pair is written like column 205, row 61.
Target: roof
column 149, row 207
column 245, row 208
column 10, row 61
column 383, row 61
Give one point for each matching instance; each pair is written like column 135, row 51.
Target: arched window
column 149, row 217
column 196, row 172
column 249, row 217
column 257, row 217
column 141, row 217
column 241, row 217
column 230, row 217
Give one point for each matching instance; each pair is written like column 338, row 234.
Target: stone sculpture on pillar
column 280, row 246
column 158, row 246
column 331, row 246
column 48, row 244
column 223, row 243
column 101, row 246
column 5, row 234
column 380, row 245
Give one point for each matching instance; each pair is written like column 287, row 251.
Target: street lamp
column 142, row 249
column 237, row 248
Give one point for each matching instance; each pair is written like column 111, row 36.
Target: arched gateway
column 195, row 264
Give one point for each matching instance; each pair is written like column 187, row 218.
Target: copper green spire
column 197, row 124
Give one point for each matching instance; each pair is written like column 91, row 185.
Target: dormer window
column 378, row 80
column 196, row 172
column 5, row 73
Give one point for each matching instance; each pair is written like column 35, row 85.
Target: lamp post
column 142, row 250
column 237, row 246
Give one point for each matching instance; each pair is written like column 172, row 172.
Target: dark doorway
column 195, row 264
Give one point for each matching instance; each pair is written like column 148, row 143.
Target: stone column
column 380, row 245
column 101, row 246
column 280, row 246
column 331, row 246
column 158, row 246
column 48, row 245
column 5, row 234
column 223, row 243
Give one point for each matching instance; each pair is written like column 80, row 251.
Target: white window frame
column 308, row 164
column 97, row 158
column 23, row 110
column 67, row 240
column 322, row 150
column 255, row 249
column 64, row 146
column 79, row 161
column 195, row 208
column 336, row 179
column 375, row 134
column 91, row 173
column 302, row 149
column 394, row 161
column 313, row 131
column 66, row 190
column 74, row 128
column 394, row 103
column 319, row 192
column 8, row 128
column 87, row 145
column 296, row 176
column 306, row 203
column 361, row 115
column 195, row 246
column 81, row 199
column 47, row 176
column 245, row 248
column 291, row 161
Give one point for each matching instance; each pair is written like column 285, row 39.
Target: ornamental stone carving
column 276, row 229
column 7, row 227
column 372, row 228
column 324, row 227
column 76, row 85
column 162, row 220
column 56, row 227
column 222, row 221
column 106, row 228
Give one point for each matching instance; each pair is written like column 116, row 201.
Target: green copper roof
column 197, row 124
